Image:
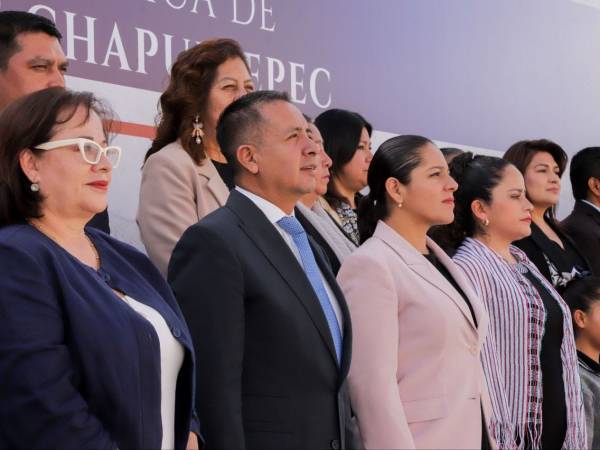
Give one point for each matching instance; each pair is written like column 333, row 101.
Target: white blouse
column 171, row 359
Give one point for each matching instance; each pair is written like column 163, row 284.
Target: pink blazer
column 415, row 379
column 175, row 193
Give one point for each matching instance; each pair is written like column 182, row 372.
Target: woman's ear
column 479, row 210
column 29, row 165
column 395, row 190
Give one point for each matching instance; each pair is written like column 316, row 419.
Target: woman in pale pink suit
column 416, row 379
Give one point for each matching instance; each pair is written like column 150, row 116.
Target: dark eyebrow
column 42, row 60
column 39, row 60
column 519, row 190
column 546, row 165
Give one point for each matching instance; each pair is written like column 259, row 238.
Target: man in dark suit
column 31, row 59
column 583, row 224
column 270, row 325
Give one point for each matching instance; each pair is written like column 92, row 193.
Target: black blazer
column 267, row 371
column 583, row 226
column 535, row 247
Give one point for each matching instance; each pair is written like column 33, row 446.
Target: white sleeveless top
column 171, row 359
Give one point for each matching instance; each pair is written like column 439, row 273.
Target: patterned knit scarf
column 511, row 353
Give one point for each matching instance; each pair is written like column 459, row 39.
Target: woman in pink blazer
column 185, row 175
column 416, row 379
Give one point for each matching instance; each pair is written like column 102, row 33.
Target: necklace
column 88, row 239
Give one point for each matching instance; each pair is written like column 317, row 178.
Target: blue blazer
column 79, row 368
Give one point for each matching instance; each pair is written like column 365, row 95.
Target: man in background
column 583, row 224
column 31, row 59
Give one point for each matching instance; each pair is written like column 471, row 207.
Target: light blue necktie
column 294, row 229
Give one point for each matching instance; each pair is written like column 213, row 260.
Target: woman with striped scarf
column 529, row 357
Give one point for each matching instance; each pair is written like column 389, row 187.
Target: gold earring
column 197, row 132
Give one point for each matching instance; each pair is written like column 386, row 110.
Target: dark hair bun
column 459, row 165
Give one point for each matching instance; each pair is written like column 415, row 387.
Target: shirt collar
column 592, row 205
column 593, row 365
column 273, row 212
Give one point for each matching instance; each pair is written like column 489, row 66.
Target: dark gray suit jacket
column 267, row 375
column 583, row 226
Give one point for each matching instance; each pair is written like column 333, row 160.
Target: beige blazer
column 175, row 193
column 416, row 379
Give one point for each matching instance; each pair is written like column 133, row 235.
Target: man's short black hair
column 14, row 23
column 584, row 165
column 241, row 122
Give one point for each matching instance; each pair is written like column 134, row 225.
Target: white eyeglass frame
column 80, row 142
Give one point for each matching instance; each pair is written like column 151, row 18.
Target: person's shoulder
column 172, row 154
column 582, row 213
column 372, row 253
column 23, row 237
column 473, row 254
column 22, row 245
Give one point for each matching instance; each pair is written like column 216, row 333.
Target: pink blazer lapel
column 466, row 286
column 420, row 265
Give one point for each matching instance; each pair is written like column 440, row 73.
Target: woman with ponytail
column 529, row 357
column 418, row 326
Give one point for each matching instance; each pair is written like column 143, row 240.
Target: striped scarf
column 511, row 353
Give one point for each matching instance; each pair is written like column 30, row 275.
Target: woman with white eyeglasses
column 94, row 351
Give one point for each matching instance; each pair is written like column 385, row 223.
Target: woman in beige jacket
column 185, row 175
column 416, row 379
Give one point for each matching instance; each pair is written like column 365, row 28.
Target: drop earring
column 197, row 132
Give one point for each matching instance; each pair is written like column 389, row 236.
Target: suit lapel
column 266, row 238
column 215, row 183
column 464, row 284
column 588, row 210
column 419, row 264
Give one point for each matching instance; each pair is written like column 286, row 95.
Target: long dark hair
column 26, row 123
column 395, row 158
column 341, row 131
column 192, row 76
column 476, row 176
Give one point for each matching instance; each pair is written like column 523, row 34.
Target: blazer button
column 176, row 332
column 335, row 444
column 105, row 276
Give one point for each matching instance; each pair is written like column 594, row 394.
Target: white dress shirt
column 171, row 359
column 274, row 213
